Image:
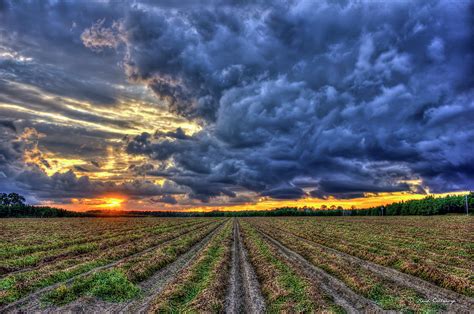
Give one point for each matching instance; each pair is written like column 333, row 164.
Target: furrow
column 244, row 294
column 429, row 290
column 32, row 301
column 342, row 295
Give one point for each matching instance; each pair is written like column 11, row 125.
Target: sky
column 174, row 105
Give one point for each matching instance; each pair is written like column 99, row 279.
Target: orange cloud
column 120, row 202
column 111, row 201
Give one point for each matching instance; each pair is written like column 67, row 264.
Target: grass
column 295, row 289
column 437, row 249
column 112, row 286
column 123, row 277
column 382, row 297
column 200, row 279
column 61, row 270
column 379, row 294
column 184, row 293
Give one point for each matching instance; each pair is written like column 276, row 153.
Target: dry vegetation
column 438, row 249
column 421, row 264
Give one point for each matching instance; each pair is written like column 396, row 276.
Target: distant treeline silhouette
column 428, row 206
column 12, row 205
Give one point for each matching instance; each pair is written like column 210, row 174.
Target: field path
column 430, row 291
column 342, row 295
column 243, row 294
column 32, row 302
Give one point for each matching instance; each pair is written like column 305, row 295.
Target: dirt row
column 243, row 293
column 342, row 295
column 419, row 285
column 352, row 302
column 150, row 288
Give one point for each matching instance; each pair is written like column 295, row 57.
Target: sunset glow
column 184, row 107
column 112, row 202
column 310, row 156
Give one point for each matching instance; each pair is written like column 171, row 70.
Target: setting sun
column 104, row 202
column 112, row 202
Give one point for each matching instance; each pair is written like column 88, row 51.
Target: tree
column 16, row 199
column 12, row 199
column 4, row 200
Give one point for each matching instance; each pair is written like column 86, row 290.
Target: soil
column 243, row 295
column 341, row 294
column 32, row 302
column 454, row 301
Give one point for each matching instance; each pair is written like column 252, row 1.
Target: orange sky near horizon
column 119, row 202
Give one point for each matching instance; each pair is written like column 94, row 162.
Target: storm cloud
column 293, row 98
column 359, row 96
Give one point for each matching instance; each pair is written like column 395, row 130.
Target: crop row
column 82, row 246
column 388, row 295
column 17, row 285
column 118, row 283
column 447, row 265
column 201, row 287
column 284, row 288
column 49, row 237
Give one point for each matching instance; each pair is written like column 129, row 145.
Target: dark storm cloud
column 357, row 96
column 351, row 189
column 10, row 149
column 168, row 199
column 203, row 191
column 328, row 98
column 284, row 193
column 8, row 124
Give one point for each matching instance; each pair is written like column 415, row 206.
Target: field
column 278, row 264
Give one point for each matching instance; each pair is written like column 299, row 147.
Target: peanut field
column 234, row 265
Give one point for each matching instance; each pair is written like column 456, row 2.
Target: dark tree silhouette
column 4, row 200
column 16, row 199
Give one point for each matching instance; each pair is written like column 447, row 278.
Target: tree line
column 13, row 205
column 451, row 204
